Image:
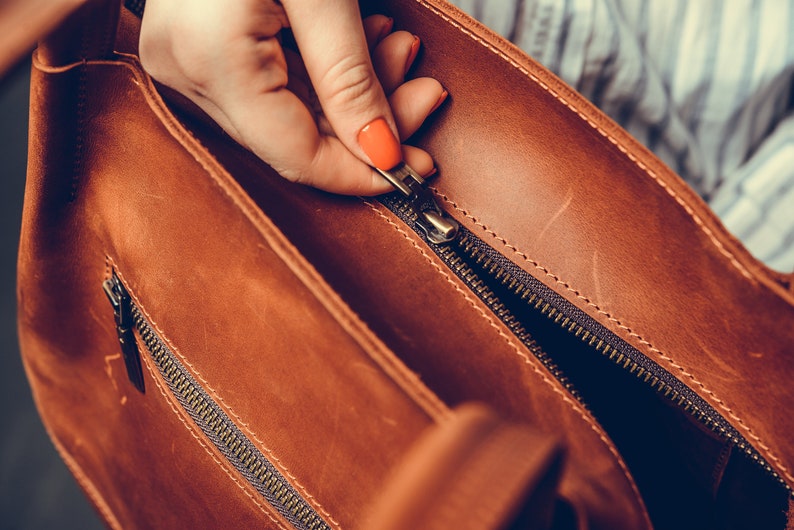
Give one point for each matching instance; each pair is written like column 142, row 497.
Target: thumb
column 331, row 39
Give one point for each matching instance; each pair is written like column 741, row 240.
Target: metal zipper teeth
column 227, row 437
column 467, row 249
column 461, row 268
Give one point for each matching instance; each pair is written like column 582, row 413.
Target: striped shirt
column 705, row 84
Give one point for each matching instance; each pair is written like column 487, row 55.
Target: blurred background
column 36, row 489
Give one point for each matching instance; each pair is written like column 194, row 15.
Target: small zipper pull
column 431, row 218
column 122, row 310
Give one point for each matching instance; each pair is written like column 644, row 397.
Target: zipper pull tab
column 431, row 218
column 122, row 310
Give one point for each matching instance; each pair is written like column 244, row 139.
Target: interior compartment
column 689, row 476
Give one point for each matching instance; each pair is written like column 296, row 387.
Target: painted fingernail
column 412, row 54
column 385, row 30
column 380, row 145
column 441, row 100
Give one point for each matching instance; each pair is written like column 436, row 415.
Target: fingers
column 228, row 59
column 331, row 39
column 376, row 28
column 393, row 57
column 414, row 101
column 420, row 160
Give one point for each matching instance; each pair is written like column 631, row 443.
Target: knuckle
column 348, row 84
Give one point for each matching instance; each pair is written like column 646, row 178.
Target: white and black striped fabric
column 705, row 84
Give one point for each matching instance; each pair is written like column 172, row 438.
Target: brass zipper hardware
column 451, row 255
column 238, row 449
column 485, row 271
column 122, row 312
column 429, row 216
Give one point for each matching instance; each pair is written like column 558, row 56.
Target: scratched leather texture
column 335, row 337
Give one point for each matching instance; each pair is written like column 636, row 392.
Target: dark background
column 36, row 489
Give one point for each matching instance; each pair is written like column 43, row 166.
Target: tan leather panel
column 312, row 387
column 550, row 182
column 232, row 272
column 440, row 329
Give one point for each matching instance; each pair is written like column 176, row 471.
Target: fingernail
column 412, row 54
column 431, row 173
column 380, row 145
column 385, row 30
column 441, row 100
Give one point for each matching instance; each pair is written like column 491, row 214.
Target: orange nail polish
column 380, row 145
column 413, row 53
column 441, row 100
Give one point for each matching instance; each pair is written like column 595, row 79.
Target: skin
column 300, row 113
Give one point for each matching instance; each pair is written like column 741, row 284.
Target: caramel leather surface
column 315, row 390
column 326, row 327
column 312, row 387
column 573, row 200
column 441, row 330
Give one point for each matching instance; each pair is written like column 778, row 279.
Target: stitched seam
column 220, row 463
column 87, row 485
column 229, row 409
column 709, row 233
column 82, row 100
column 516, row 349
column 721, row 404
column 406, row 382
column 419, row 394
column 79, row 136
column 186, row 139
column 109, row 36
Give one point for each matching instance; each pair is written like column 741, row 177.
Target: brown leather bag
column 211, row 346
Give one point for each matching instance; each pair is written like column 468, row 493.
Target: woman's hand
column 318, row 118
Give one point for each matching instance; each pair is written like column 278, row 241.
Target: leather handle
column 87, row 34
column 473, row 472
column 23, row 22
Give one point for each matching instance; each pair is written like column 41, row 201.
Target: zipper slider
column 431, row 218
column 122, row 310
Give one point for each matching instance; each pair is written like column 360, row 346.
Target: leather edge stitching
column 709, row 233
column 510, row 341
column 721, row 404
column 245, row 426
column 198, row 437
column 87, row 485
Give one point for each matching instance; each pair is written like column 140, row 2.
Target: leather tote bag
column 211, row 346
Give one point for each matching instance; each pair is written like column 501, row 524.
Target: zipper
column 511, row 294
column 205, row 412
column 122, row 312
column 427, row 215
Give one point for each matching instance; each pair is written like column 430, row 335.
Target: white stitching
column 517, row 349
column 671, row 361
column 706, row 230
column 168, row 399
column 231, row 411
column 709, row 233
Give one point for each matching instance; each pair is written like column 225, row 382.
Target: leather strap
column 87, row 34
column 474, row 471
column 23, row 22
